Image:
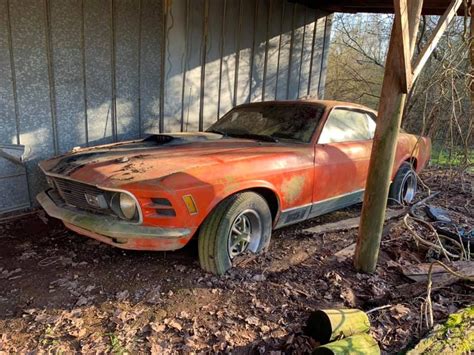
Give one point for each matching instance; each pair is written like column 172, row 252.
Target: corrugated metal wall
column 87, row 72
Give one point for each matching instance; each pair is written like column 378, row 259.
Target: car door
column 342, row 157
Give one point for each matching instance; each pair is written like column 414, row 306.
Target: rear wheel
column 404, row 185
column 238, row 225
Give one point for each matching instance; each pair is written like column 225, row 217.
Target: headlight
column 128, row 207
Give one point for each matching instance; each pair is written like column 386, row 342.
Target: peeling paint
column 292, row 188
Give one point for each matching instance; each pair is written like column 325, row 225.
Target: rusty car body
column 177, row 181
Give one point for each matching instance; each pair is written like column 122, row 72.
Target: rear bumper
column 114, row 231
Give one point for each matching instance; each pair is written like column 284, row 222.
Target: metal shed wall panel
column 37, row 124
column 176, row 60
column 212, row 79
column 231, row 28
column 295, row 49
column 273, row 49
column 259, row 48
column 99, row 46
column 286, row 35
column 245, row 40
column 127, row 32
column 151, row 34
column 8, row 129
column 88, row 72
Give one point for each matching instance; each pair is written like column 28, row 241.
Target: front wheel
column 241, row 223
column 404, row 185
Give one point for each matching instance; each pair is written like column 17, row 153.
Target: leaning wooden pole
column 392, row 102
column 471, row 13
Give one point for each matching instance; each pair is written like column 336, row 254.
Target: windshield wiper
column 258, row 137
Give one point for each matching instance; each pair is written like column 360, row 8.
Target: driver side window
column 344, row 125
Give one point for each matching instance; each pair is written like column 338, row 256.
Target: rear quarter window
column 345, row 125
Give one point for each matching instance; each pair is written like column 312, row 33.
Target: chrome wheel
column 245, row 233
column 408, row 190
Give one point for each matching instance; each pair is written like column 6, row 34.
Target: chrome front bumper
column 105, row 225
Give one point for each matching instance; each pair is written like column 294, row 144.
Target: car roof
column 327, row 103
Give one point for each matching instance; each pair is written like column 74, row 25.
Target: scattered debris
column 419, row 272
column 350, row 223
column 77, row 295
column 437, row 214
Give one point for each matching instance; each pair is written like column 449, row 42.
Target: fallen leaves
column 400, row 311
column 93, row 298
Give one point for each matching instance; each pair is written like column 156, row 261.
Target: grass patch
column 445, row 157
column 115, row 345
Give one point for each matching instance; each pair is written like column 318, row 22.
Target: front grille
column 74, row 194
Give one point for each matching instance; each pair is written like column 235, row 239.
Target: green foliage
column 115, row 345
column 456, row 157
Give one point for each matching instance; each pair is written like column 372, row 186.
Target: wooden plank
column 436, row 36
column 401, row 16
column 419, row 272
column 430, row 7
column 472, row 56
column 349, row 223
column 346, row 253
column 418, row 288
column 415, row 9
column 392, row 102
column 349, row 251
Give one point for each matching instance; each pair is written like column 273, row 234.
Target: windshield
column 271, row 121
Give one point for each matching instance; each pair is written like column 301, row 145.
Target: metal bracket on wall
column 16, row 153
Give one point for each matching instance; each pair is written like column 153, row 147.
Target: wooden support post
column 397, row 80
column 472, row 57
column 401, row 16
column 392, row 101
column 436, row 36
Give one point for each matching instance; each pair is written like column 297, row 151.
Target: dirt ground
column 63, row 292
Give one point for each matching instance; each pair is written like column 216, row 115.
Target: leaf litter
column 64, row 293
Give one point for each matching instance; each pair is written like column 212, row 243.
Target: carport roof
column 430, row 7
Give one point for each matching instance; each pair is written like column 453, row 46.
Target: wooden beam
column 414, row 8
column 430, row 7
column 401, row 15
column 392, row 101
column 471, row 11
column 436, row 36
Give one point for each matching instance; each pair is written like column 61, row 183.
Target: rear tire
column 404, row 186
column 239, row 224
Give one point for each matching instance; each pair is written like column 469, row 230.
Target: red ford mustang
column 262, row 166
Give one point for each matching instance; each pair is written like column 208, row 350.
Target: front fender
column 230, row 189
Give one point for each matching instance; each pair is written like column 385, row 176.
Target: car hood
column 156, row 156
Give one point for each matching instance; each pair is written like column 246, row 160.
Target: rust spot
column 229, row 182
column 292, row 188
